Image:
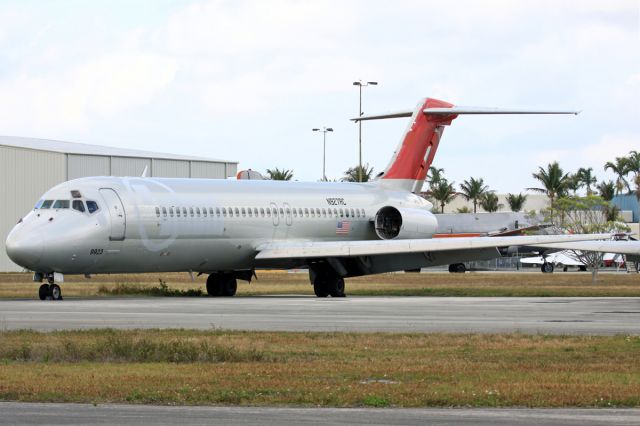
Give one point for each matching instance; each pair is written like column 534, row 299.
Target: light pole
column 360, row 85
column 324, row 131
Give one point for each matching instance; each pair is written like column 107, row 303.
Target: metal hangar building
column 29, row 167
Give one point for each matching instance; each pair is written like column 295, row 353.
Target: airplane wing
column 324, row 249
column 620, row 247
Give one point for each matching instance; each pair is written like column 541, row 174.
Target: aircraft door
column 117, row 213
column 287, row 214
column 274, row 214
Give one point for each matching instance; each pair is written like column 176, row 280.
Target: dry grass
column 409, row 284
column 320, row 369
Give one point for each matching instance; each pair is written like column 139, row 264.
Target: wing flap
column 316, row 249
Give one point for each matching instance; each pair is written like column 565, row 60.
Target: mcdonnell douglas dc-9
column 228, row 229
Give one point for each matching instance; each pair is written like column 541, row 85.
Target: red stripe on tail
column 412, row 160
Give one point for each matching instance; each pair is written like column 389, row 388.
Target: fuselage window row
column 244, row 211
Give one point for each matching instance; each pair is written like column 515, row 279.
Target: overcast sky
column 247, row 80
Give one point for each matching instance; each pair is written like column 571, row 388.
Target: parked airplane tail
column 412, row 158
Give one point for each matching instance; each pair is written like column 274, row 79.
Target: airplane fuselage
column 155, row 224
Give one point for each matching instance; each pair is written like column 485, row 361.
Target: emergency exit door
column 117, row 213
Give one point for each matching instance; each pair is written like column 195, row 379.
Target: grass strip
column 320, row 369
column 523, row 284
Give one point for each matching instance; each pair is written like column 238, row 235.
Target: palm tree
column 607, row 190
column 619, row 167
column 489, row 202
column 573, row 183
column 443, row 192
column 633, row 166
column 553, row 180
column 473, row 189
column 277, row 174
column 587, row 178
column 435, row 175
column 516, row 201
column 351, row 175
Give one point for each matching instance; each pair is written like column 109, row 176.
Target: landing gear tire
column 337, row 288
column 582, row 268
column 458, row 268
column 221, row 285
column 43, row 292
column 547, row 268
column 320, row 289
column 55, row 292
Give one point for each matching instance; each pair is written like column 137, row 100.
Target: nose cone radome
column 25, row 249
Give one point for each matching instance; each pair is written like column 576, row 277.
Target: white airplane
column 227, row 229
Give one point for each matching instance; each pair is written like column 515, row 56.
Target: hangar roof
column 87, row 149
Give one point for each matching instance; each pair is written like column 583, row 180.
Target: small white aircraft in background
column 228, row 228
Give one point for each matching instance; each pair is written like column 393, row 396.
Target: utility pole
column 360, row 85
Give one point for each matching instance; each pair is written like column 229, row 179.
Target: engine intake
column 393, row 223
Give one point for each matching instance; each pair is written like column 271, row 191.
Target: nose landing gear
column 50, row 290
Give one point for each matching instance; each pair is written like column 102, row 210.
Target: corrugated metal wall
column 201, row 169
column 25, row 175
column 88, row 165
column 628, row 202
column 170, row 168
column 127, row 166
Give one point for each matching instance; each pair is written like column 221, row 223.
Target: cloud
column 68, row 100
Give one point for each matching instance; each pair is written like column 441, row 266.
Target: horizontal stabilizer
column 457, row 110
column 396, row 114
column 483, row 110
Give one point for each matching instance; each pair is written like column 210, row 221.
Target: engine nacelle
column 393, row 223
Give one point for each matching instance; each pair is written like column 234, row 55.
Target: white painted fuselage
column 154, row 224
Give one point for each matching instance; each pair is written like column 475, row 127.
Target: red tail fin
column 414, row 155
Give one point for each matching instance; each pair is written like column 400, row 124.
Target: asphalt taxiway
column 83, row 414
column 558, row 315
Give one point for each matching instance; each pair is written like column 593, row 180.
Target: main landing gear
column 326, row 282
column 546, row 268
column 50, row 290
column 222, row 284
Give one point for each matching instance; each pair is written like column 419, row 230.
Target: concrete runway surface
column 16, row 413
column 294, row 313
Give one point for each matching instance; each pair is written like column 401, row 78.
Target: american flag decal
column 342, row 228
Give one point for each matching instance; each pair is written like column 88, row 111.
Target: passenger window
column 255, row 211
column 191, row 211
column 347, row 212
column 61, row 204
column 46, row 204
column 164, row 211
column 295, row 212
column 335, row 212
column 318, row 212
column 281, row 212
column 198, row 211
column 78, row 205
column 250, row 212
column 262, row 211
column 217, row 211
column 274, row 211
column 224, row 211
column 230, row 211
column 363, row 214
column 341, row 213
column 177, row 211
column 357, row 212
column 210, row 211
column 268, row 213
column 204, row 211
column 324, row 212
column 353, row 214
column 313, row 214
column 244, row 212
column 306, row 212
column 237, row 211
column 92, row 207
column 171, row 211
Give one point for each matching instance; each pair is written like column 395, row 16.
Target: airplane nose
column 24, row 249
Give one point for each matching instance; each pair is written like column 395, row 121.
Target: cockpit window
column 61, row 204
column 46, row 204
column 92, row 206
column 78, row 205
